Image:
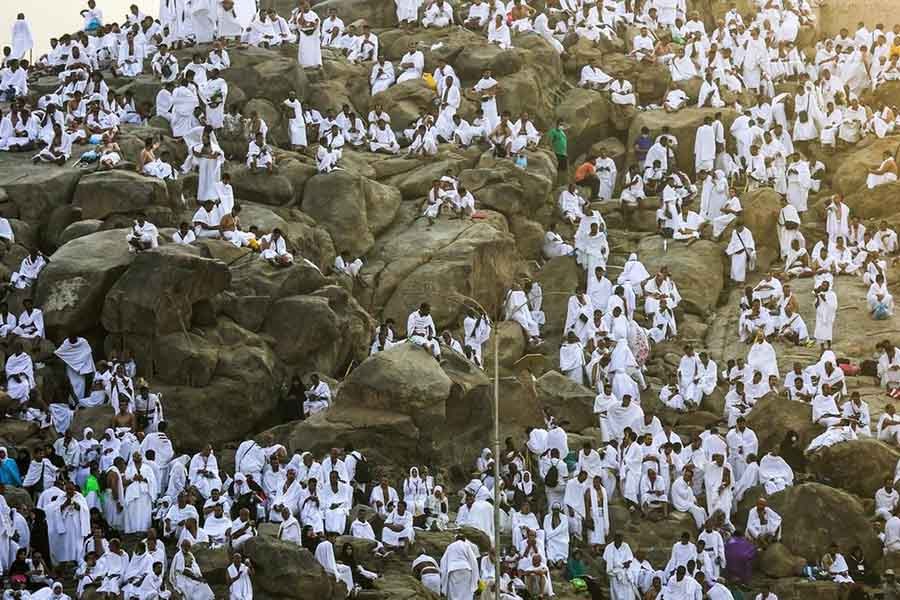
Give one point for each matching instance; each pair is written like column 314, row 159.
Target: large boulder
column 238, row 375
column 558, row 280
column 772, row 418
column 587, row 114
column 760, row 209
column 682, row 124
column 72, row 287
column 566, row 400
column 413, row 177
column 511, row 344
column 286, row 571
column 334, row 330
column 449, row 262
column 265, row 188
column 858, row 466
column 501, row 186
column 100, row 195
column 777, row 561
column 698, row 270
column 815, row 516
column 876, row 203
column 158, row 292
column 352, row 208
column 401, row 406
column 36, row 190
column 853, row 167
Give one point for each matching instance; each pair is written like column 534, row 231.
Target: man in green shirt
column 560, row 144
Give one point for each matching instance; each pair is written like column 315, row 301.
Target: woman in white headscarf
column 484, row 464
column 110, row 447
column 415, row 493
column 90, row 452
column 437, row 507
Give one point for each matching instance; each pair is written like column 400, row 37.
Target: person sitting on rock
column 421, row 331
column 259, row 156
column 318, row 396
column 330, row 150
column 143, row 236
column 273, row 249
column 343, row 263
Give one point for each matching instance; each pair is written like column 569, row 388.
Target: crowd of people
column 90, row 490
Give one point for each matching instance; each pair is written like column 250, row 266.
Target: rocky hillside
column 220, row 332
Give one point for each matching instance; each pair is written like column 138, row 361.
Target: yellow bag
column 429, row 80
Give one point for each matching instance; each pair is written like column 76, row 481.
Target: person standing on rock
column 309, row 52
column 459, row 570
column 560, row 145
column 742, row 250
column 826, row 312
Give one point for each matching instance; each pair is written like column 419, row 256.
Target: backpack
column 363, row 473
column 551, row 479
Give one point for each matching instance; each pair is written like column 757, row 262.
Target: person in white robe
column 879, row 299
column 556, row 535
column 719, row 485
column 838, row 219
column 309, row 51
column 742, row 250
column 571, row 358
column 593, row 77
column 621, row 569
column 439, row 14
column 763, row 524
column 185, row 576
column 705, row 146
column 382, row 75
column 214, row 94
column 517, row 308
column 853, row 120
column 459, row 570
column 296, row 121
column 886, row 500
column 184, row 100
column 421, row 331
column 240, row 586
column 382, row 138
column 76, row 353
column 499, row 32
column 30, row 324
column 684, row 500
column 22, row 38
column 886, row 172
column 68, row 524
column 203, row 15
column 412, row 65
column 141, row 489
column 29, row 270
column 826, row 311
column 204, row 472
column 407, row 13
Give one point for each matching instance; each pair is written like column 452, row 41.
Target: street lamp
column 496, row 541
